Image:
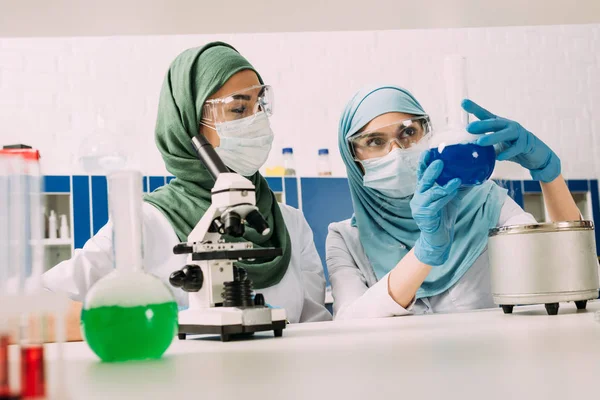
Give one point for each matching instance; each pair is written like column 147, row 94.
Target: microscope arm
column 200, row 231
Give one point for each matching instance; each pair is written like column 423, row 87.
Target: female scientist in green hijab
column 414, row 246
column 217, row 92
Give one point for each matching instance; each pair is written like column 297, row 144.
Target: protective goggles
column 243, row 104
column 378, row 142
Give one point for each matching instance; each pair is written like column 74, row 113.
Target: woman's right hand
column 434, row 212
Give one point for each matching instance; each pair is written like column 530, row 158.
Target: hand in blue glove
column 515, row 143
column 434, row 213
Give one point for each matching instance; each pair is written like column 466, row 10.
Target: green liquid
column 117, row 333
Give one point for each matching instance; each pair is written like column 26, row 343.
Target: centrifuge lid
column 544, row 227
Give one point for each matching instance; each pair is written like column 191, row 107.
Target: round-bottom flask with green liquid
column 129, row 316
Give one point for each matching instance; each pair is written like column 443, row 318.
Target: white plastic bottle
column 288, row 162
column 52, row 227
column 323, row 163
column 64, row 227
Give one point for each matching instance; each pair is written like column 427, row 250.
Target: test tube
column 34, row 322
column 455, row 77
column 35, row 267
column 4, row 320
column 12, row 246
column 4, row 228
column 18, row 226
column 4, row 365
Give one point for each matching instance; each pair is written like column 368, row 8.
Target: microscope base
column 228, row 332
column 231, row 322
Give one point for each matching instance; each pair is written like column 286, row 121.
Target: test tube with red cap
column 12, row 199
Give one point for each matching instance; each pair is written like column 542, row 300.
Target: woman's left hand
column 516, row 143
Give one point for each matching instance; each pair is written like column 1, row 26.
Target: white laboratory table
column 474, row 355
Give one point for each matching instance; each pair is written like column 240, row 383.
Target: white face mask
column 394, row 175
column 245, row 145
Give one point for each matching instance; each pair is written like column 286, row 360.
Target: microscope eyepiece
column 209, row 157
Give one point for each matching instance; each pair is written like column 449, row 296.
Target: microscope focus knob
column 177, row 279
column 182, row 248
column 190, row 278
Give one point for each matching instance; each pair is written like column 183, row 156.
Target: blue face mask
column 394, row 175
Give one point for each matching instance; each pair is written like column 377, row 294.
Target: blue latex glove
column 434, row 213
column 514, row 143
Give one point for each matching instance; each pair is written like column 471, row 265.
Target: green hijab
column 192, row 78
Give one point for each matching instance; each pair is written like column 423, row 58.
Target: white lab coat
column 301, row 291
column 358, row 294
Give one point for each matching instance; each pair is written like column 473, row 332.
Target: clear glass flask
column 128, row 315
column 462, row 158
column 99, row 152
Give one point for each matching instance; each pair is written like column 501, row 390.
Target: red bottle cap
column 26, row 154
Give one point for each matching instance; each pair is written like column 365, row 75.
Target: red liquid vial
column 4, row 383
column 32, row 372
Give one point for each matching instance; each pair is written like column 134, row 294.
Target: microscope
column 220, row 293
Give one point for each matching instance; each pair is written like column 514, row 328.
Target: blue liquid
column 472, row 163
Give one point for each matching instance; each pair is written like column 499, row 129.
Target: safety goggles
column 239, row 105
column 378, row 142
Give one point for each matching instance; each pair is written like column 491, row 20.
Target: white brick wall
column 52, row 90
